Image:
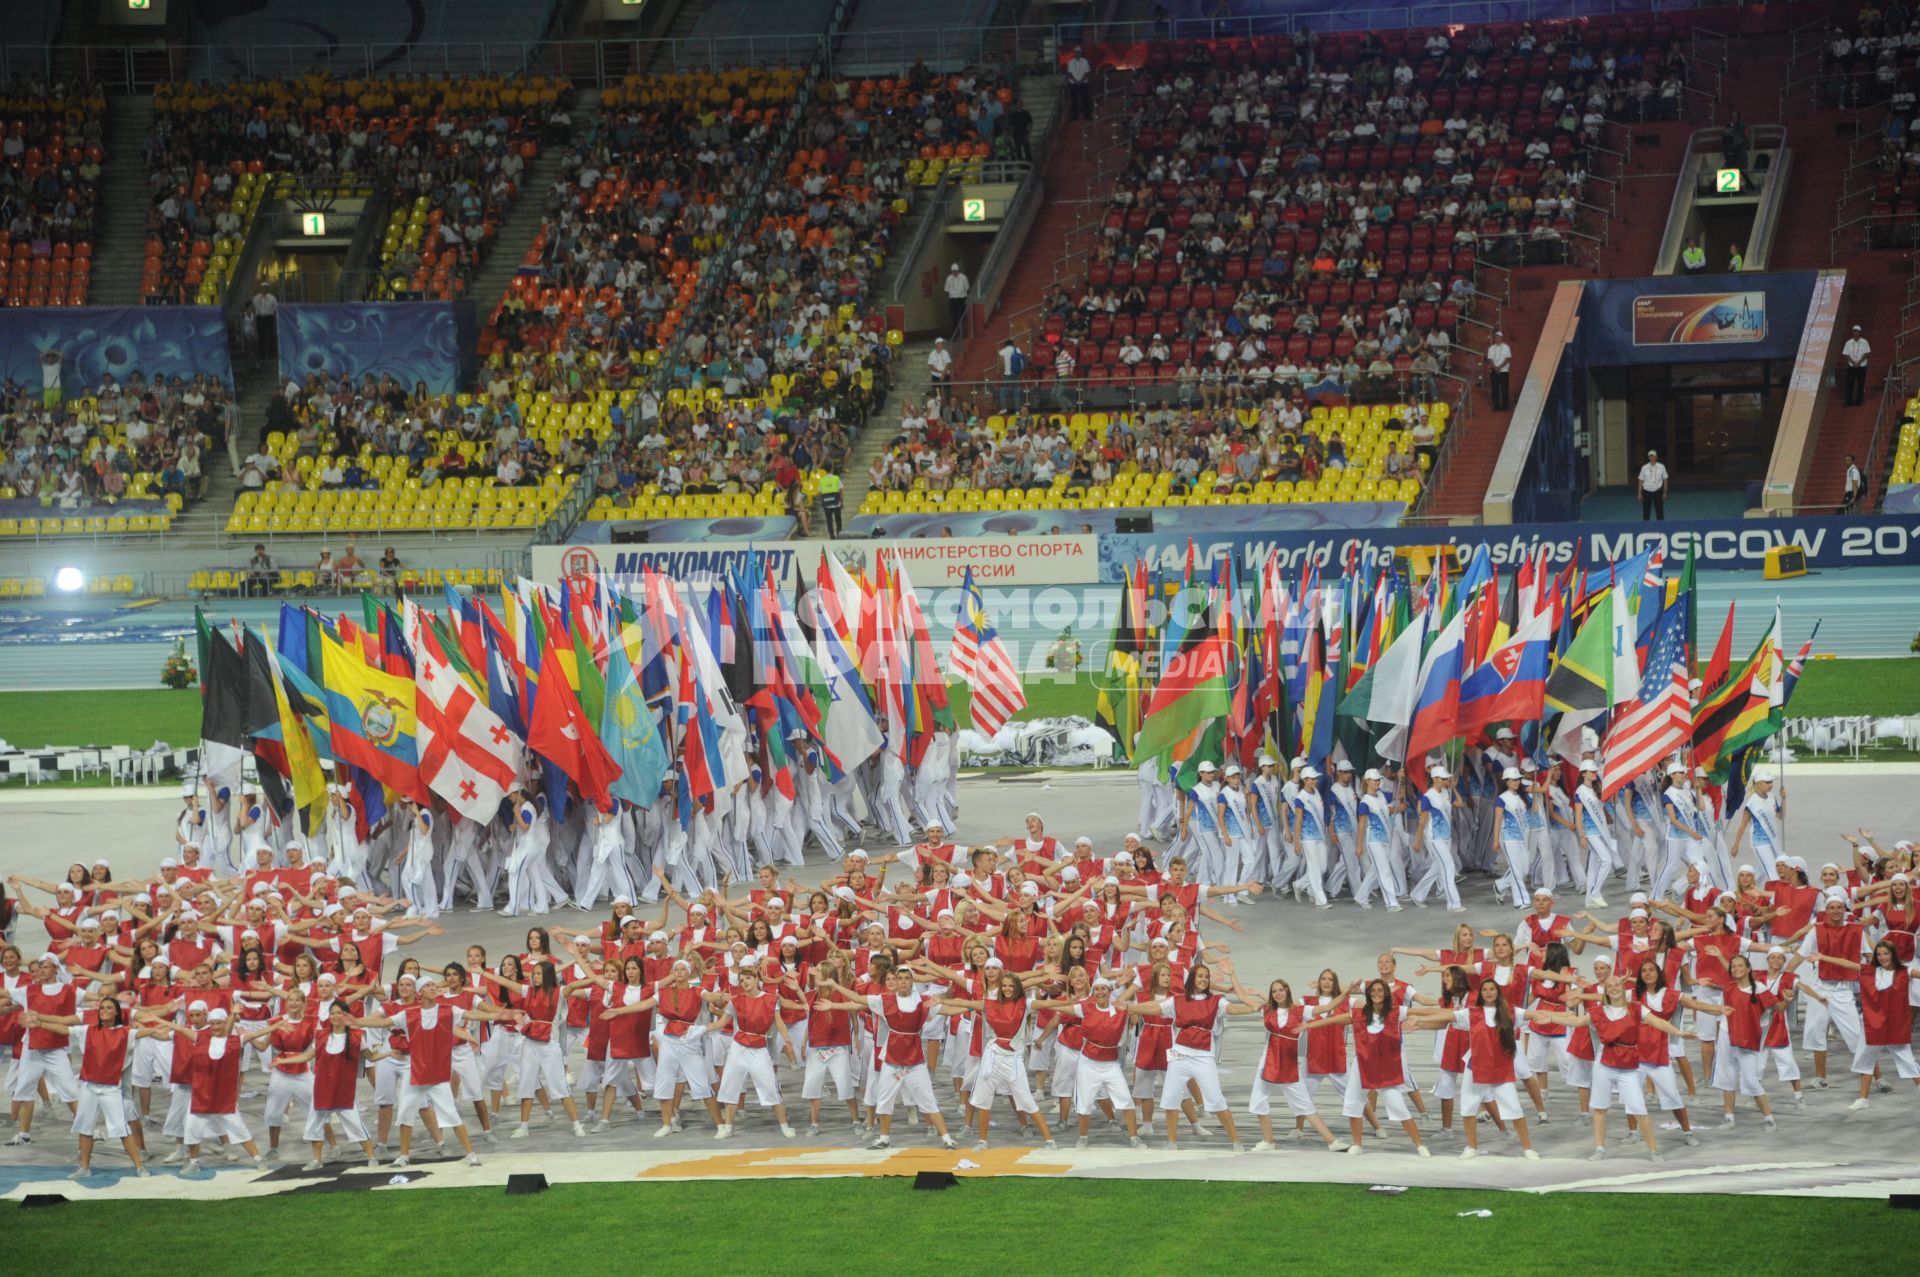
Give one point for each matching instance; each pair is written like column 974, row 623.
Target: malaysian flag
column 981, row 659
column 1660, row 721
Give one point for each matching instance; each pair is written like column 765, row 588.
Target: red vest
column 1193, row 1021
column 63, row 1001
column 1885, row 1017
column 1619, row 1039
column 216, row 1083
column 1842, row 941
column 1281, row 1063
column 903, row 1031
column 679, row 1008
column 336, row 1077
column 105, row 1054
column 628, row 1035
column 1491, row 1063
column 1003, row 1020
column 540, row 1005
column 291, row 1037
column 753, row 1018
column 431, row 1057
column 1376, row 1049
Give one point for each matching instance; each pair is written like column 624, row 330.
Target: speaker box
column 934, row 1181
column 526, row 1185
column 632, row 536
column 1904, row 1201
column 35, row 1200
column 1133, row 523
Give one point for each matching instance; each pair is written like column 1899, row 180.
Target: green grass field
column 984, row 1225
column 140, row 716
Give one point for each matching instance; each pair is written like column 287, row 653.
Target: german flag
column 1747, row 709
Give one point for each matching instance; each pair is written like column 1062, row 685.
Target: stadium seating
column 449, row 152
column 50, row 161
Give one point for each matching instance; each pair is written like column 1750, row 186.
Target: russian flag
column 1436, row 705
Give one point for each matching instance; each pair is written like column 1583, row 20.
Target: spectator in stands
column 260, row 574
column 389, row 569
column 349, row 564
column 939, row 366
column 326, row 572
column 1651, row 485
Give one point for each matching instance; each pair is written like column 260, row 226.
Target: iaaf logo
column 579, row 560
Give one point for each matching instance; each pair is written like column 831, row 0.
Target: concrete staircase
column 658, row 58
column 910, row 382
column 120, row 233
column 522, row 223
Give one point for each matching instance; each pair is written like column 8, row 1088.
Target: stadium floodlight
column 69, row 580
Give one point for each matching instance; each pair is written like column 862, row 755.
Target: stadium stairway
column 910, row 382
column 120, row 238
column 685, row 19
column 522, row 223
column 1633, row 241
column 1876, row 280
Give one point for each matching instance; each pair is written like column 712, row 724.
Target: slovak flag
column 1511, row 684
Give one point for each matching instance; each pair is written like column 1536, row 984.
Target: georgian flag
column 468, row 755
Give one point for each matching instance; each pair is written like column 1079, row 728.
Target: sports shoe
column 1134, row 1141
column 20, row 1140
column 1421, row 1150
column 813, row 1128
column 1173, row 1146
column 1468, row 1153
column 1237, row 1147
column 1693, row 1141
column 602, row 1125
column 1081, row 1142
column 174, row 1158
column 786, row 1130
column 663, row 1132
column 1656, row 1158
column 1800, row 1099
column 488, row 1136
column 143, row 1172
column 723, row 1130
column 403, row 1160
column 1293, row 1134
column 1544, row 1118
column 1766, row 1122
column 1532, row 1155
column 1817, row 1083
column 519, row 1132
column 373, row 1163
column 1726, row 1123
column 81, row 1172
column 1048, row 1144
column 979, row 1146
column 1596, row 902
column 315, row 1165
column 1456, row 908
column 1858, row 1106
column 473, row 1159
column 881, row 1141
column 1355, row 1150
column 580, row 1130
column 1338, row 1146
column 1599, row 1153
column 1883, row 1086
column 191, row 1167
column 1263, row 1146
column 946, row 1141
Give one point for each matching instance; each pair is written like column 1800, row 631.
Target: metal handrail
column 1892, row 399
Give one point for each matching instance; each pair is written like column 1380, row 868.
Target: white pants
column 1097, row 1080
column 438, row 1097
column 49, row 1064
column 152, row 1062
column 101, row 1105
column 1066, row 1071
column 1901, row 1057
column 682, row 1060
column 1666, row 1091
column 749, row 1064
column 610, row 1075
column 1392, row 1098
column 1626, row 1084
column 350, row 1125
column 1439, row 873
column 909, row 1082
column 1502, row 1095
column 466, row 1075
column 1002, row 1072
column 1203, row 1071
column 1737, row 1068
column 282, row 1090
column 1841, row 1011
column 542, row 1066
column 829, row 1061
column 1378, row 873
column 1781, row 1057
column 1299, row 1099
column 1314, row 854
column 209, row 1128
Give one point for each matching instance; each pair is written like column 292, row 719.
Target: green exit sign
column 313, row 223
column 1726, row 181
column 973, row 210
column 139, row 6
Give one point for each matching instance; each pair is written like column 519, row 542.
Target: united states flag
column 979, row 657
column 1649, row 728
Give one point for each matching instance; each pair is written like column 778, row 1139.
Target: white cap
column 1637, row 913
column 217, row 1014
column 1102, row 983
column 623, row 900
column 633, row 920
column 188, row 789
column 1903, row 845
column 1676, row 769
column 1700, row 773
column 1029, row 888
column 1126, row 856
column 66, row 887
column 1638, row 898
column 1083, row 841
column 249, row 932
column 1300, row 761
column 1511, row 773
column 1233, row 769
column 1764, row 775
column 661, row 936
column 196, row 1005
column 857, row 851
column 1504, row 733
column 1207, row 766
column 1069, row 874
column 169, row 863
column 1309, row 773
column 332, row 911
column 1439, row 772
column 1267, row 760
column 1836, row 896
column 993, row 962
column 1344, row 765
column 1529, row 766
column 1542, row 891
column 1162, row 941
column 962, row 880
column 1372, row 773
column 1588, row 765
column 101, row 864
column 326, row 976
column 843, row 892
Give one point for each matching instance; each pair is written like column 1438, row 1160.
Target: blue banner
column 154, row 341
column 1719, row 544
column 1673, row 319
column 412, row 342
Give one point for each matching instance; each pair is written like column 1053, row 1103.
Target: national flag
column 1118, row 705
column 1386, row 693
column 631, row 734
column 561, row 734
column 1743, row 760
column 980, row 658
column 468, row 755
column 1747, row 710
column 1191, row 692
column 1581, row 685
column 1437, row 702
column 280, row 737
column 1657, row 721
column 372, row 716
column 849, row 730
column 1511, row 684
column 223, row 711
column 1722, row 660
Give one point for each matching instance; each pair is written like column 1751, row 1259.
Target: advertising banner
column 1681, row 319
column 930, row 562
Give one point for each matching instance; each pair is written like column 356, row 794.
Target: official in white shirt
column 1499, row 372
column 1854, row 354
column 1850, row 500
column 1652, row 486
column 957, row 287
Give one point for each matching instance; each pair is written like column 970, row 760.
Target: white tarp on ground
column 1038, row 742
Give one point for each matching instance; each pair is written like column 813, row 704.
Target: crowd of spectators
column 452, row 149
column 133, row 439
column 1877, row 63
column 51, row 152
